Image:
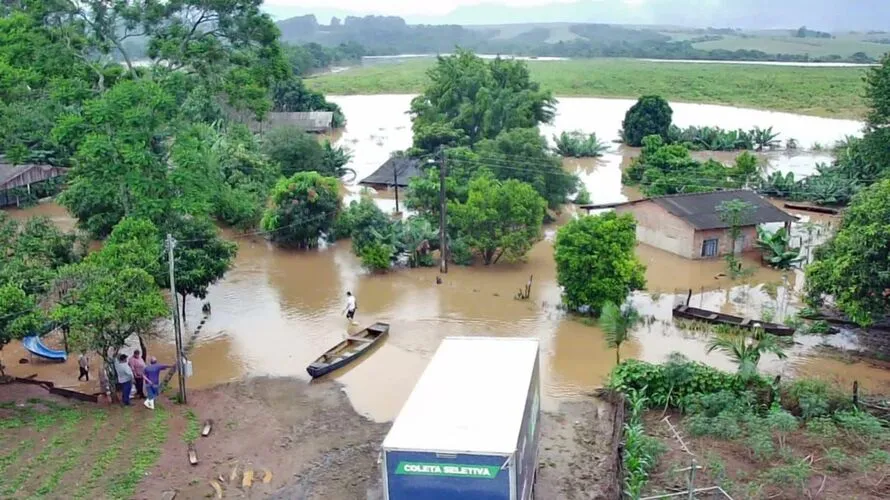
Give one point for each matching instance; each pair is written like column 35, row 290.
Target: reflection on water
column 276, row 310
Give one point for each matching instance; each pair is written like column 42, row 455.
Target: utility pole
column 177, row 329
column 443, row 242
column 395, row 181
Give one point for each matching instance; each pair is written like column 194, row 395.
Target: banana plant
column 775, row 248
column 765, row 138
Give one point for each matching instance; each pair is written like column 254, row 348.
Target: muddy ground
column 317, row 447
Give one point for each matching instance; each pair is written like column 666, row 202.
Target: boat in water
column 717, row 318
column 352, row 348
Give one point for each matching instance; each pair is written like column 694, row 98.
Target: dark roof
column 406, row 169
column 9, row 173
column 700, row 209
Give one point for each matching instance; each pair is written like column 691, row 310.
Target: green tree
column 854, row 266
column 617, row 324
column 295, row 151
column 377, row 256
column 499, row 218
column 113, row 293
column 523, row 154
column 292, row 95
column 365, row 223
column 577, row 144
column 735, row 213
column 596, row 263
column 303, row 207
column 19, row 315
column 201, row 257
column 746, row 350
column 651, row 115
column 469, row 99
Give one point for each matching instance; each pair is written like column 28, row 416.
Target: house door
column 709, row 248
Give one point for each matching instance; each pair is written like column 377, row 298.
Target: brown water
column 277, row 310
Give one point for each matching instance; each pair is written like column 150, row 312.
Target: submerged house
column 24, row 177
column 690, row 226
column 395, row 172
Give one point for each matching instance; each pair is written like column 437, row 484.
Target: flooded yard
column 276, row 310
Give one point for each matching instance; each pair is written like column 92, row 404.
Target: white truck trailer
column 470, row 428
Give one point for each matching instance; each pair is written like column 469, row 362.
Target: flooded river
column 277, row 310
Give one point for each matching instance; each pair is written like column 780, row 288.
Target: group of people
column 133, row 375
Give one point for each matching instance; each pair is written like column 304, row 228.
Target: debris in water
column 217, row 488
column 267, row 477
column 247, row 481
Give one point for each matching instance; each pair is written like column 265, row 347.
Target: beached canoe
column 349, row 350
column 717, row 318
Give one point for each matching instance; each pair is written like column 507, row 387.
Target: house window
column 709, row 247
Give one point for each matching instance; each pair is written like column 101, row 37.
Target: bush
column 303, row 207
column 822, row 427
column 651, row 115
column 725, row 425
column 676, row 383
column 577, row 144
column 812, row 398
column 583, row 196
column 460, row 253
column 377, row 257
column 761, row 445
column 863, row 426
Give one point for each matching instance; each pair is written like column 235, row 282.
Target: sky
column 414, row 7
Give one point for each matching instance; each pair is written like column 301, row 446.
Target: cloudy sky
column 414, row 7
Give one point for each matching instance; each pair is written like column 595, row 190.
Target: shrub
column 583, row 196
column 577, row 144
column 812, row 398
column 822, row 427
column 795, row 474
column 761, row 445
column 781, row 423
column 724, row 426
column 461, row 253
column 864, row 426
column 377, row 256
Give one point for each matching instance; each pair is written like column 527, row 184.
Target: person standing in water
column 153, row 381
column 350, row 307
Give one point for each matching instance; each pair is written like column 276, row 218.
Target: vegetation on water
column 596, row 262
column 830, row 92
column 650, row 115
column 734, row 213
column 775, row 248
column 718, row 139
column 663, row 169
column 617, row 324
column 577, row 144
column 771, row 426
column 296, row 151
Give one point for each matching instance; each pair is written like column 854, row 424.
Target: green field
column 814, row 47
column 830, row 92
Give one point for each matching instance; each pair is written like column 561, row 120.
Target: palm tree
column 746, row 350
column 616, row 324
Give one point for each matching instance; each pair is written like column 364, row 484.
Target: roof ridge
column 702, row 193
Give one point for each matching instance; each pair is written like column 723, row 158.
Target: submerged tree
column 734, row 213
column 499, row 218
column 651, row 115
column 596, row 263
column 303, row 207
column 617, row 323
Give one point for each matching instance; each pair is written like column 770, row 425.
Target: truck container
column 470, row 428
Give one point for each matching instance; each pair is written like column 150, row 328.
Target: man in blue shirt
column 152, row 381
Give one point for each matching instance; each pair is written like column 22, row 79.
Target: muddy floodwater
column 277, row 310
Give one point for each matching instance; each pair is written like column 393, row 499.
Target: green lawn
column 831, row 92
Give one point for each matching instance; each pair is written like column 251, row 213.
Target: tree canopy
column 853, row 268
column 499, row 218
column 651, row 115
column 470, row 99
column 596, row 263
column 304, row 206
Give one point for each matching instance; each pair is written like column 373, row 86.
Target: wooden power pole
column 443, row 238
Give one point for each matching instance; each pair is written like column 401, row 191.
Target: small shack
column 396, row 171
column 23, row 176
column 690, row 226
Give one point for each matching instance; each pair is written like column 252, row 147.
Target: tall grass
column 831, row 92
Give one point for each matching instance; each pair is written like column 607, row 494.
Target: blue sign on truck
column 470, row 428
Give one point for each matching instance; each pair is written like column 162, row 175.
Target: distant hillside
column 825, row 15
column 388, row 35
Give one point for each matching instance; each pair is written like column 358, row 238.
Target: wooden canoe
column 717, row 318
column 349, row 350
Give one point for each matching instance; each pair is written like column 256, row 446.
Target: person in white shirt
column 350, row 307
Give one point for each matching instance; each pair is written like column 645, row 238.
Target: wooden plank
column 811, row 208
column 745, row 322
column 713, row 316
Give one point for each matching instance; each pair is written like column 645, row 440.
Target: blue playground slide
column 36, row 347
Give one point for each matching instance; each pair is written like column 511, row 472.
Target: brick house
column 689, row 225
